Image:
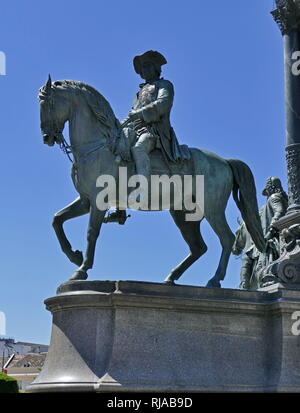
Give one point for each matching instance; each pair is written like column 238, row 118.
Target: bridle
column 67, row 149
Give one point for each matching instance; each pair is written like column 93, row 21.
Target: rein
column 68, row 149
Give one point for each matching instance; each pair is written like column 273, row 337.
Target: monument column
column 287, row 16
column 286, row 270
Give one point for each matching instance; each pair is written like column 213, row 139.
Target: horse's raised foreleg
column 190, row 231
column 95, row 222
column 226, row 237
column 77, row 208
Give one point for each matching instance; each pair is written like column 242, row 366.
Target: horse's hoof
column 77, row 258
column 169, row 282
column 213, row 284
column 79, row 275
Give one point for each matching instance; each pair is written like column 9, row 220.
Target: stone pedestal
column 136, row 336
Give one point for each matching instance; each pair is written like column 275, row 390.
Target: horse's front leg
column 95, row 222
column 77, row 208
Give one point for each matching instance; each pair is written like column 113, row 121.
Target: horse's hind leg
column 77, row 208
column 226, row 237
column 190, row 231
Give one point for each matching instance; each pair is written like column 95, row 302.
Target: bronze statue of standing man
column 254, row 262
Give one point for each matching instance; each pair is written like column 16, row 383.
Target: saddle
column 160, row 165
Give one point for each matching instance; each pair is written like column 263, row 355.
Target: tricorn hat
column 150, row 56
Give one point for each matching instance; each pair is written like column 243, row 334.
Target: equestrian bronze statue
column 146, row 145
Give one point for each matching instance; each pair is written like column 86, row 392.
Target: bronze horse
column 92, row 126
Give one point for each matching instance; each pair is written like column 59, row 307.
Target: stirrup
column 118, row 216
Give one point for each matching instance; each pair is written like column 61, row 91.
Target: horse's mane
column 99, row 106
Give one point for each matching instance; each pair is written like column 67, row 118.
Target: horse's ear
column 48, row 84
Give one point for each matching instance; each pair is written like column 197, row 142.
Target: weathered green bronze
column 100, row 145
column 254, row 261
column 287, row 16
column 286, row 270
column 149, row 121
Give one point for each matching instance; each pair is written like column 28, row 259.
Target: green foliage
column 8, row 384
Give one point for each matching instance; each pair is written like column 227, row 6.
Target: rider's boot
column 119, row 216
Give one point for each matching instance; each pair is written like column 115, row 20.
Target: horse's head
column 54, row 112
column 67, row 100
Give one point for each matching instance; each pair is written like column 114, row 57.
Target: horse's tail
column 244, row 194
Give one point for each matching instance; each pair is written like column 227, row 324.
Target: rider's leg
column 145, row 144
column 140, row 152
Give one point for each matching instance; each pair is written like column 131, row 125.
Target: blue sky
column 225, row 59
